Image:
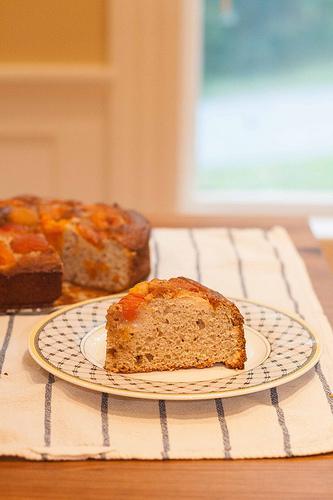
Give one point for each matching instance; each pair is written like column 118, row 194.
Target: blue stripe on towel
column 164, row 429
column 6, row 341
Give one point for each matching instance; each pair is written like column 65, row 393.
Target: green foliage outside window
column 265, row 36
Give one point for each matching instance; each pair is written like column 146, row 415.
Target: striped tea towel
column 45, row 418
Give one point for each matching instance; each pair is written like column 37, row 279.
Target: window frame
column 152, row 117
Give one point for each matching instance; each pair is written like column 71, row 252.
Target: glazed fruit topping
column 89, row 234
column 59, row 211
column 140, row 288
column 98, row 218
column 6, row 256
column 54, row 230
column 130, row 306
column 104, row 217
column 23, row 216
column 13, row 228
column 26, row 243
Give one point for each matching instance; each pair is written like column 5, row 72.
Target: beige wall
column 60, row 31
column 72, row 127
column 54, row 94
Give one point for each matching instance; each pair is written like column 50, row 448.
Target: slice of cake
column 171, row 324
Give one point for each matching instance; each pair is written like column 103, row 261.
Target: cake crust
column 29, row 289
column 179, row 285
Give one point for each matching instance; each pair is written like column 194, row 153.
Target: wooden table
column 293, row 478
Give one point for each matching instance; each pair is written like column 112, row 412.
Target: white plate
column 70, row 343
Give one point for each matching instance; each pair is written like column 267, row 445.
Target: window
column 265, row 110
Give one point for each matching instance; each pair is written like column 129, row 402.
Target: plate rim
column 40, row 360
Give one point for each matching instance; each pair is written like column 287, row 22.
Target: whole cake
column 171, row 324
column 44, row 241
